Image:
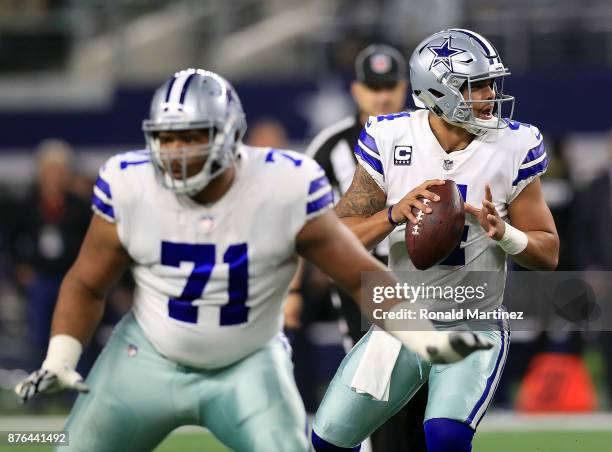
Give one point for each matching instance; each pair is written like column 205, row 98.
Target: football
column 438, row 233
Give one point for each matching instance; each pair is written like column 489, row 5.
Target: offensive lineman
column 210, row 229
column 496, row 163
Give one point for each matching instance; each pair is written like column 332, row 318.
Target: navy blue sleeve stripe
column 531, row 171
column 317, row 184
column 106, row 209
column 318, row 204
column 534, row 153
column 372, row 161
column 370, row 142
column 103, row 185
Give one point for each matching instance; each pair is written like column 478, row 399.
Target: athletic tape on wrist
column 514, row 240
column 64, row 349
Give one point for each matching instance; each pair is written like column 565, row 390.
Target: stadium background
column 84, row 71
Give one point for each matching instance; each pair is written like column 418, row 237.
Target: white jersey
column 211, row 279
column 400, row 152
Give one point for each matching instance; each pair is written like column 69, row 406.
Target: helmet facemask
column 216, row 156
column 463, row 115
column 177, row 167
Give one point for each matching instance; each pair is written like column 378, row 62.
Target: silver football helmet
column 194, row 99
column 450, row 61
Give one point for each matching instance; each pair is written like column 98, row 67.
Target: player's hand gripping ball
column 434, row 237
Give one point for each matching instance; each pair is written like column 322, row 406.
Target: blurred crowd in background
column 75, row 81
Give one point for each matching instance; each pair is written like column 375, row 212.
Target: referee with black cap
column 379, row 89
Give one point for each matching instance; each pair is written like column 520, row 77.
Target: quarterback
column 211, row 230
column 461, row 135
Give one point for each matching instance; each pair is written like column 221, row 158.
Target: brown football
column 438, row 233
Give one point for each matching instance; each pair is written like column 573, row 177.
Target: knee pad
column 448, row 435
column 320, row 445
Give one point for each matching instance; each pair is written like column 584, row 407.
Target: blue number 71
column 203, row 258
column 274, row 152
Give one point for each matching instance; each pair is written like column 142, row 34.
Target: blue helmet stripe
column 185, row 87
column 168, row 91
column 489, row 50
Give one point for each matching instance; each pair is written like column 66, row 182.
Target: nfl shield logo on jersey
column 207, row 223
column 402, row 155
column 448, row 164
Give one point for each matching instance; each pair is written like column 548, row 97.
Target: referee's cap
column 380, row 64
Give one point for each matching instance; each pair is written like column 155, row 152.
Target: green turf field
column 535, row 441
column 545, row 441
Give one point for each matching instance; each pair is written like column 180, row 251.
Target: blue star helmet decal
column 443, row 54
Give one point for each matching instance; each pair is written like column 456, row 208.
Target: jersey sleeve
column 313, row 196
column 368, row 153
column 104, row 198
column 116, row 189
column 531, row 163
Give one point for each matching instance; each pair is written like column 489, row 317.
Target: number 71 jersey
column 211, row 279
column 401, row 152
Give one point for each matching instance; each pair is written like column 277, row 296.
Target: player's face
column 482, row 94
column 184, row 152
column 380, row 99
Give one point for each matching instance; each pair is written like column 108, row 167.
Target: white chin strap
column 478, row 126
column 189, row 186
column 196, row 183
column 472, row 128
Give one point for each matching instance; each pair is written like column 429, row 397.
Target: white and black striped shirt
column 332, row 148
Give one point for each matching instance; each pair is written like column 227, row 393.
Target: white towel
column 373, row 374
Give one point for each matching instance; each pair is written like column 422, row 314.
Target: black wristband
column 293, row 290
column 390, row 217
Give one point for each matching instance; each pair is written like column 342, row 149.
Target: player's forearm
column 541, row 253
column 375, row 312
column 296, row 281
column 371, row 230
column 78, row 311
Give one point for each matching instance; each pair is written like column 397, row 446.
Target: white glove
column 443, row 347
column 57, row 371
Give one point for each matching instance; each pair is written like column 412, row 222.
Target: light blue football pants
column 461, row 391
column 137, row 397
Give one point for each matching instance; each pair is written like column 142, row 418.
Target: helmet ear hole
column 437, row 94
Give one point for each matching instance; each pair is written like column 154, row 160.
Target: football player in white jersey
column 211, row 231
column 461, row 135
